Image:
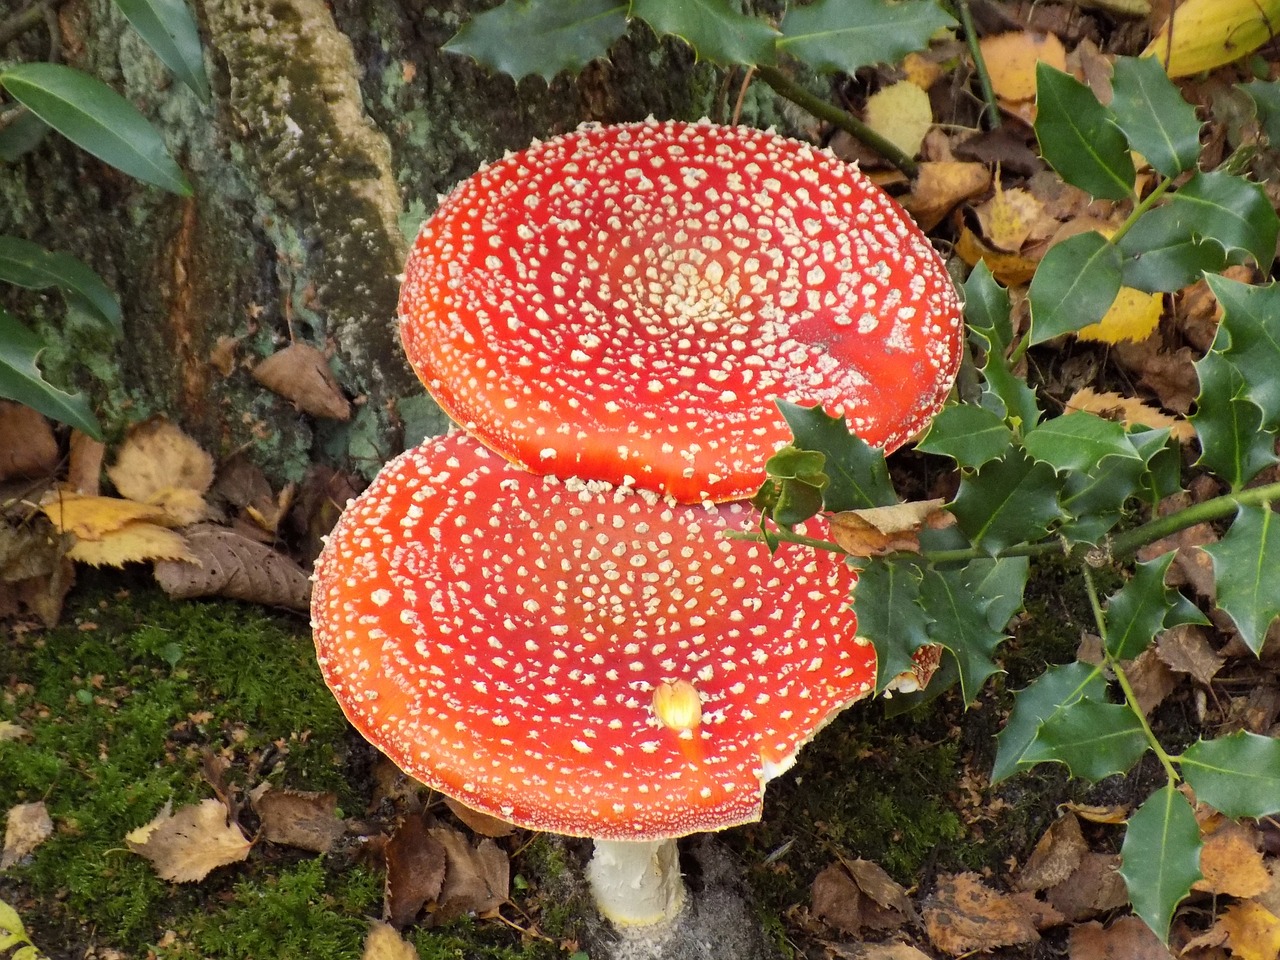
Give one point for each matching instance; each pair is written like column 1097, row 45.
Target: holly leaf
column 1266, row 97
column 1060, row 688
column 968, row 434
column 1075, row 285
column 1078, row 442
column 1238, row 775
column 986, row 312
column 1231, row 211
column 1245, row 561
column 1249, row 337
column 1151, row 113
column 1165, row 250
column 713, row 28
column 1234, row 442
column 960, row 624
column 542, row 37
column 795, row 493
column 845, row 35
column 21, row 380
column 31, row 266
column 1160, row 857
column 1094, row 740
column 1080, row 138
column 1008, row 501
column 1094, row 498
column 859, row 477
column 1143, row 607
column 987, row 309
column 886, row 601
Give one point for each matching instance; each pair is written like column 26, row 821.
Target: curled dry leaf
column 858, row 895
column 383, row 943
column 1151, row 680
column 185, row 846
column 10, row 731
column 477, row 879
column 27, row 826
column 963, row 915
column 228, row 564
column 1011, row 269
column 1056, row 855
column 159, row 464
column 879, row 530
column 1093, row 889
column 301, row 373
column 943, row 185
column 27, row 446
column 481, row 823
column 84, row 469
column 1186, row 649
column 1011, row 218
column 1128, row 937
column 1129, row 411
column 416, row 863
column 300, row 819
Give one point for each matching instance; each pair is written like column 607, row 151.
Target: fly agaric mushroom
column 626, row 302
column 580, row 658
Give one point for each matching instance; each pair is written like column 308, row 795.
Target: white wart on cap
column 628, row 301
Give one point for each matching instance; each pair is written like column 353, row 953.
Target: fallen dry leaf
column 10, row 731
column 1133, row 316
column 1094, row 889
column 1126, row 939
column 416, row 863
column 27, row 445
column 1151, row 680
column 1129, row 411
column 1252, row 930
column 1169, row 373
column 92, row 518
column 185, row 846
column 27, row 826
column 1011, row 60
column 1186, row 649
column 84, row 469
column 133, row 543
column 481, row 823
column 1106, row 813
column 941, row 186
column 383, row 943
column 1231, row 862
column 856, row 896
column 1056, row 855
column 300, row 819
column 159, row 464
column 301, row 373
column 227, row 564
column 1010, row 217
column 902, row 114
column 964, row 915
column 477, row 880
column 879, row 530
column 1011, row 269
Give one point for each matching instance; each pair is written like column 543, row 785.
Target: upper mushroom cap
column 577, row 657
column 626, row 302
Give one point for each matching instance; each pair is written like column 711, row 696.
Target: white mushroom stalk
column 637, row 883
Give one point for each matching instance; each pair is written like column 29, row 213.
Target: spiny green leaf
column 1266, row 96
column 96, row 118
column 542, row 37
column 1165, row 250
column 795, row 494
column 1151, row 113
column 1143, row 607
column 1075, row 285
column 713, row 28
column 1094, row 498
column 1249, row 338
column 986, row 312
column 170, row 30
column 859, row 477
column 845, row 35
column 1078, row 441
column 21, row 380
column 30, row 265
column 1231, row 211
column 890, row 615
column 1238, row 774
column 1245, row 562
column 1079, row 136
column 960, row 624
column 1160, row 857
column 1093, row 739
column 1006, row 502
column 968, row 434
column 1234, row 442
column 987, row 309
column 1058, row 689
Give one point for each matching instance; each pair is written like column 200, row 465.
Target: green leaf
column 542, row 37
column 795, row 493
column 961, row 625
column 1151, row 113
column 1094, row 498
column 1249, row 338
column 1079, row 136
column 886, row 601
column 845, row 35
column 170, row 30
column 1143, row 607
column 859, row 477
column 1165, row 250
column 1245, row 562
column 1233, row 440
column 713, row 28
column 1231, row 211
column 1078, row 441
column 1160, row 857
column 1008, row 501
column 1266, row 97
column 1238, row 774
column 1075, row 285
column 30, row 265
column 986, row 311
column 22, row 134
column 1058, row 689
column 968, row 434
column 21, row 380
column 1093, row 739
column 96, row 118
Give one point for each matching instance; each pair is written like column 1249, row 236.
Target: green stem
column 1130, row 697
column 787, row 536
column 784, row 86
column 979, row 64
column 1145, row 204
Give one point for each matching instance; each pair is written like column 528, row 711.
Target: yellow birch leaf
column 1209, row 33
column 902, row 114
column 1253, row 930
column 1011, row 61
column 1129, row 411
column 133, row 543
column 1133, row 316
column 92, row 518
column 1011, row 269
column 943, row 184
column 157, row 456
column 1008, row 218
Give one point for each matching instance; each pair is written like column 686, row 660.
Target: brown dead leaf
column 383, row 943
column 1231, row 862
column 300, row 819
column 1056, row 855
column 857, row 895
column 1110, row 813
column 84, row 470
column 222, row 357
column 1186, row 649
column 1126, row 939
column 1129, row 411
column 231, row 565
column 301, row 373
column 1094, row 889
column 416, row 864
column 1011, row 269
column 27, row 826
column 159, row 464
column 481, row 823
column 879, row 530
column 1252, row 930
column 1009, row 218
column 10, row 731
column 1151, row 680
column 477, row 880
column 963, row 915
column 1169, row 373
column 133, row 543
column 186, row 846
column 941, row 186
column 27, row 445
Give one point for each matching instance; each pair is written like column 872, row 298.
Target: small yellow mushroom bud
column 678, row 705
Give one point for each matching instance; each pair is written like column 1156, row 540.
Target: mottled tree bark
column 333, row 129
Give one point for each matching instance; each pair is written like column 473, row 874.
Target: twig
column 784, row 86
column 980, row 65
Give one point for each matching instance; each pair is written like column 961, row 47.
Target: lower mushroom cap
column 501, row 636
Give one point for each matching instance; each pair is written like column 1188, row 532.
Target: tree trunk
column 334, row 127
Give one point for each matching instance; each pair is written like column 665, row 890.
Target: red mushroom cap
column 577, row 657
column 626, row 302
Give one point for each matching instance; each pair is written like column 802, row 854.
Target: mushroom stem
column 636, row 882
